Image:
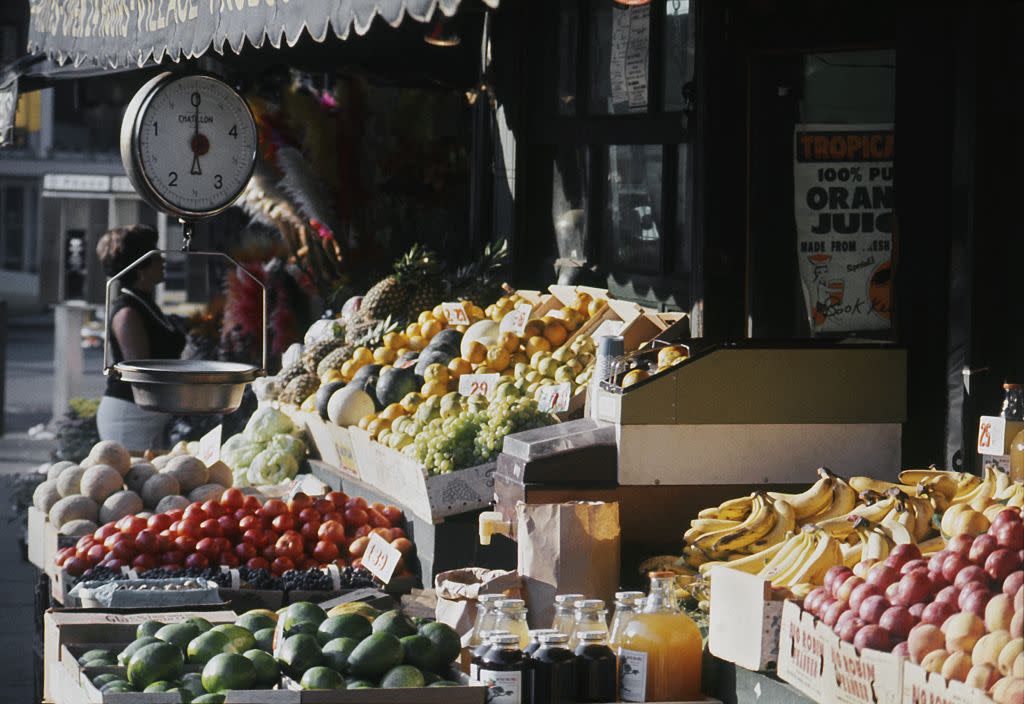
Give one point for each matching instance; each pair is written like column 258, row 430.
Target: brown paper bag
column 567, row 548
column 457, row 592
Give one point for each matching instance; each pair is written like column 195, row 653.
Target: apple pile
column 960, row 612
column 236, row 529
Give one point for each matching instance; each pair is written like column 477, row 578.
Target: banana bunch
column 739, row 526
column 803, row 559
column 1012, row 495
column 829, row 497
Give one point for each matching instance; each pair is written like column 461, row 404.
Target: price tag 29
column 455, row 313
column 485, row 384
column 380, row 558
column 209, row 446
column 515, row 321
column 554, row 398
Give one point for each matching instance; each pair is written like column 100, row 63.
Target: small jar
column 627, row 605
column 589, row 615
column 564, row 613
column 477, row 653
column 511, row 617
column 553, row 671
column 535, row 635
column 596, row 669
column 485, row 615
column 502, row 669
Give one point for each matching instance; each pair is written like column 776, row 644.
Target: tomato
column 85, row 542
column 250, row 522
column 172, row 557
column 194, row 512
column 358, row 547
column 175, row 514
column 251, row 503
column 331, row 531
column 403, row 545
column 230, row 559
column 76, row 566
column 185, row 543
column 159, row 522
column 257, row 563
column 323, row 506
column 338, row 498
column 124, row 550
column 170, row 535
column 325, row 552
column 224, row 545
column 377, row 519
column 133, row 524
column 63, row 555
column 122, row 523
column 393, row 514
column 255, row 536
column 95, row 554
column 274, row 507
column 197, row 561
column 397, row 533
column 213, row 509
column 356, row 502
column 281, row 565
column 147, row 541
column 232, row 499
column 356, row 516
column 308, row 515
column 334, row 516
column 144, row 562
column 245, row 551
column 190, row 527
column 268, row 553
column 384, row 533
column 105, row 531
column 112, row 540
column 228, row 525
column 211, row 528
column 283, row 522
column 166, row 541
column 242, row 513
column 362, row 531
column 175, row 527
column 300, row 501
column 112, row 563
column 289, row 546
column 309, row 531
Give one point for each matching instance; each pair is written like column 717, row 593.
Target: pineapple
column 289, row 373
column 299, row 389
column 334, row 359
column 478, row 281
column 314, row 353
column 416, row 285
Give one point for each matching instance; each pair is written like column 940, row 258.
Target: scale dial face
column 189, row 144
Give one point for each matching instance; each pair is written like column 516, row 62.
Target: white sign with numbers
column 380, row 558
column 455, row 313
column 209, row 446
column 554, row 398
column 515, row 321
column 485, row 384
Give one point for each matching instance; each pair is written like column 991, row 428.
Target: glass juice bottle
column 660, row 649
column 535, row 635
column 564, row 618
column 480, row 650
column 501, row 670
column 627, row 605
column 511, row 617
column 595, row 668
column 485, row 615
column 589, row 615
column 553, row 671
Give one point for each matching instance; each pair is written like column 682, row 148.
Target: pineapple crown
column 375, row 335
column 493, row 259
column 418, row 261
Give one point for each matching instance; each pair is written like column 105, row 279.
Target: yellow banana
column 694, row 558
column 923, row 512
column 878, row 545
column 708, row 513
column 825, row 555
column 897, row 523
column 801, row 590
column 812, row 501
column 852, row 553
column 936, row 497
column 944, row 485
column 735, row 509
column 795, row 564
column 841, row 527
column 1013, row 488
column 932, row 545
column 785, row 524
column 914, row 476
column 877, row 511
column 789, row 556
column 982, row 490
column 701, row 526
column 760, row 522
column 749, row 563
column 879, row 486
column 844, row 500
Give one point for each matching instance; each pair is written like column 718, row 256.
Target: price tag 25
column 515, row 321
column 209, row 446
column 485, row 384
column 554, row 398
column 455, row 313
column 380, row 558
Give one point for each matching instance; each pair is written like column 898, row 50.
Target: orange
column 377, row 426
column 434, row 388
column 417, row 342
column 424, row 317
column 395, row 340
column 432, row 327
column 395, row 410
column 498, row 358
column 438, row 312
column 533, row 328
column 475, row 312
column 382, row 355
column 477, row 352
column 509, row 340
column 555, row 332
column 362, row 355
column 412, row 330
column 348, row 369
column 436, row 372
column 459, row 366
column 538, row 344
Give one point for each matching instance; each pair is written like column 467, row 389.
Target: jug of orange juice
column 660, row 649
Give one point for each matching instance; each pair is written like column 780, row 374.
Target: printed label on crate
column 801, row 652
column 515, row 321
column 209, row 446
column 455, row 312
column 632, row 676
column 554, row 398
column 485, row 384
column 380, row 558
column 867, row 677
column 343, row 447
column 502, row 687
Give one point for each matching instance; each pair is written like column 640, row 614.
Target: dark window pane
column 619, row 57
column 678, row 52
column 683, row 235
column 569, row 202
column 633, row 214
column 13, row 227
column 568, row 33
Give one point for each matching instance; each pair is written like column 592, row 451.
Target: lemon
column 365, row 421
column 476, row 352
column 417, row 343
column 412, row 330
column 424, row 318
column 509, row 340
column 633, row 377
column 362, row 355
column 459, row 366
column 498, row 358
column 434, row 388
column 395, row 410
column 432, row 327
column 540, row 344
column 436, row 372
column 383, row 355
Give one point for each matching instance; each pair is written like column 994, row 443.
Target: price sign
column 554, row 398
column 343, row 447
column 380, row 558
column 991, row 435
column 485, row 384
column 307, row 484
column 455, row 313
column 515, row 321
column 209, row 446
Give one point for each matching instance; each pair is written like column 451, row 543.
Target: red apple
column 862, row 592
column 916, row 610
column 953, row 564
column 824, row 605
column 882, row 575
column 847, row 587
column 1009, row 534
column 972, row 573
column 833, row 613
column 938, row 581
column 1001, row 564
column 813, row 599
column 1013, row 582
column 913, row 588
column 849, row 628
column 872, row 608
column 838, row 573
column 901, row 649
column 1007, row 515
column 845, row 617
column 935, row 561
column 960, row 545
column 892, row 592
column 938, row 611
column 898, row 621
column 974, row 601
column 874, row 637
column 904, row 553
column 982, row 546
column 918, row 564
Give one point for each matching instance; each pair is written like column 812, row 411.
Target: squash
column 73, row 507
column 348, row 405
column 483, row 331
column 100, row 481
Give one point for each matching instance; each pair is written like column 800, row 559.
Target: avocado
column 420, row 652
column 445, row 638
column 402, row 676
column 354, row 626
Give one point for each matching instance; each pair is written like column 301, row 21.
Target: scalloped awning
column 117, row 34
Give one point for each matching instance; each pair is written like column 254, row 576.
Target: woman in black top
column 139, row 330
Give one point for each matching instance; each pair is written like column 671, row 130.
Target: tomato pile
column 237, row 530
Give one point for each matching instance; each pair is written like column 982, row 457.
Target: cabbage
column 239, row 451
column 291, row 444
column 272, row 467
column 267, row 422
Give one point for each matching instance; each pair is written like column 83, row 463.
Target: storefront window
column 620, row 40
column 568, row 32
column 678, row 50
column 634, row 225
column 17, row 245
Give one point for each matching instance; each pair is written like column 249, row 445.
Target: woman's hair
column 121, row 246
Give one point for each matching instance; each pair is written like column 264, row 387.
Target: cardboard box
column 470, row 693
column 741, row 608
column 802, row 653
column 406, row 481
column 38, row 548
column 921, row 687
column 332, row 443
column 865, row 677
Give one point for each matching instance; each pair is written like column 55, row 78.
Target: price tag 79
column 485, row 384
column 380, row 558
column 456, row 313
column 554, row 398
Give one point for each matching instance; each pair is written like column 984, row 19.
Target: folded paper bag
column 457, row 592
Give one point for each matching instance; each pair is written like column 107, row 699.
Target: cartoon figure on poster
column 843, row 186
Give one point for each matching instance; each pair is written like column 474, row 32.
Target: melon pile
column 110, row 484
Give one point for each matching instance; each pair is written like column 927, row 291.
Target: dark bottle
column 479, row 652
column 501, row 670
column 1013, row 402
column 553, row 671
column 595, row 668
column 535, row 635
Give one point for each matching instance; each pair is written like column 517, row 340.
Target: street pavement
column 28, row 403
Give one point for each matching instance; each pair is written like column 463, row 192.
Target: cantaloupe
column 160, row 462
column 78, row 527
column 137, row 476
column 45, row 496
column 69, row 482
column 100, row 481
column 346, row 406
column 111, row 453
column 205, row 492
column 119, row 505
column 71, row 508
column 189, row 471
column 56, row 468
column 220, row 473
column 157, row 487
column 483, row 331
column 169, row 503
